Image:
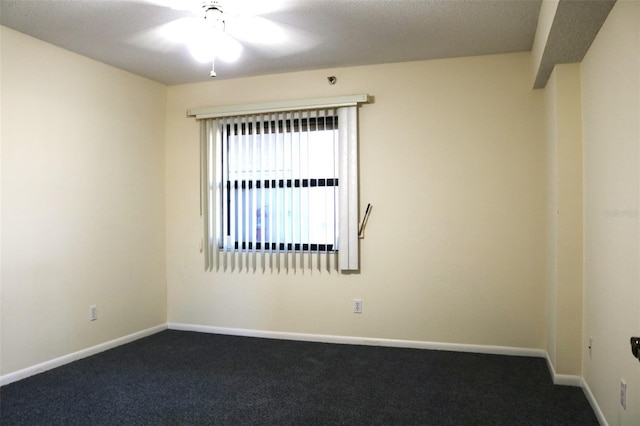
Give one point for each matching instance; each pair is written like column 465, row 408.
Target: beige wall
column 452, row 158
column 82, row 202
column 611, row 117
column 564, row 228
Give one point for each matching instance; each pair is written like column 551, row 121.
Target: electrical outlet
column 623, row 394
column 357, row 306
column 93, row 312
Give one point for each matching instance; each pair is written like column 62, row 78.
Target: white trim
column 366, row 341
column 578, row 381
column 348, row 257
column 562, row 379
column 594, row 404
column 277, row 106
column 567, row 380
column 558, row 379
column 66, row 359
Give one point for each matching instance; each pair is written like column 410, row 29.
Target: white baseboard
column 367, row 341
column 559, row 379
column 66, row 359
column 594, row 404
column 562, row 379
column 578, row 381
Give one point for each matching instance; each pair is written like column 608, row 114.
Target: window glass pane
column 309, row 219
column 317, row 149
column 282, row 184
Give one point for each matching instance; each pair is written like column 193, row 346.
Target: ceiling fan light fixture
column 216, row 44
column 217, row 29
column 201, row 51
column 208, row 40
column 227, row 49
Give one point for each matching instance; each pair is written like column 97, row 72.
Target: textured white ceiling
column 327, row 33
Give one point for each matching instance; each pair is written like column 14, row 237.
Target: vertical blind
column 279, row 190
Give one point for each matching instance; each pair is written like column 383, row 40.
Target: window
column 279, row 188
column 280, row 179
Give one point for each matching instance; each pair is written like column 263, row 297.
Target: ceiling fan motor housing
column 213, row 14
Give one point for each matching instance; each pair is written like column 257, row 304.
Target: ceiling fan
column 217, row 29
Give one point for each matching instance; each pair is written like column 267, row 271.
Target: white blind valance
column 277, row 106
column 279, row 189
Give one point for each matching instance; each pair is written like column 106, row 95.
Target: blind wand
column 364, row 221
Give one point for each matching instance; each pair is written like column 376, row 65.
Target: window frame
column 347, row 255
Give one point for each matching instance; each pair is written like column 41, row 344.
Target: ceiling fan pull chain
column 213, row 67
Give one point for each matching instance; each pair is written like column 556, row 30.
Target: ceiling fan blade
column 235, row 8
column 255, row 29
column 168, row 36
column 189, row 5
column 230, row 7
column 281, row 40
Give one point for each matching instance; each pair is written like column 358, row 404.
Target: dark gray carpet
column 184, row 378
